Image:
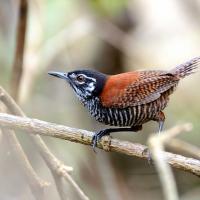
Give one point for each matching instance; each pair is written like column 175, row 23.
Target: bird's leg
column 98, row 135
column 160, row 118
column 161, row 124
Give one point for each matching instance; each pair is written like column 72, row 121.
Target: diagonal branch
column 156, row 144
column 84, row 137
column 57, row 168
column 35, row 183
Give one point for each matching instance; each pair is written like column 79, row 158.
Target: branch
column 19, row 51
column 84, row 137
column 57, row 168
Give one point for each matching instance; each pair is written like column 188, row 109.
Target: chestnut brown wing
column 144, row 91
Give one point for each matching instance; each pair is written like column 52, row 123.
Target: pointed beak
column 61, row 75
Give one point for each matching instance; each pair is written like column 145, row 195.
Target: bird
column 127, row 100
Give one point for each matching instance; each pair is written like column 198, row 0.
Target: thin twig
column 82, row 136
column 165, row 173
column 19, row 51
column 156, row 144
column 182, row 146
column 166, row 136
column 59, row 186
column 35, row 183
column 57, row 168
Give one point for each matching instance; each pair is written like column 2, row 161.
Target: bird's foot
column 97, row 136
column 149, row 157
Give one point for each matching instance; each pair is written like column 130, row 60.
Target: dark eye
column 80, row 78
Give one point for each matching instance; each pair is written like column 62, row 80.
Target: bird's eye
column 80, row 78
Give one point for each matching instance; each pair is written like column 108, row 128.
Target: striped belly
column 130, row 116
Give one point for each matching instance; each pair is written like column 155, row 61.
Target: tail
column 187, row 68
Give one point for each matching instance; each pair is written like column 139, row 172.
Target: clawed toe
column 94, row 141
column 149, row 157
column 96, row 137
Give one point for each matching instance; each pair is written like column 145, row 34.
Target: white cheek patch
column 91, row 87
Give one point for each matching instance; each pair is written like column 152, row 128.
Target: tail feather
column 187, row 68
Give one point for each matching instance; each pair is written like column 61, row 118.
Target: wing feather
column 144, row 91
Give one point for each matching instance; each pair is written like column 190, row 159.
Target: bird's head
column 85, row 83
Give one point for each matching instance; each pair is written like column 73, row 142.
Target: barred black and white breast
column 128, row 116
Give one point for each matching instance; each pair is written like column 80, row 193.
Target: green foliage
column 109, row 8
column 57, row 15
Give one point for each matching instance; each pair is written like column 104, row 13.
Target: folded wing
column 147, row 88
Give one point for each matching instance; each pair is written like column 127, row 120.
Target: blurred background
column 112, row 37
